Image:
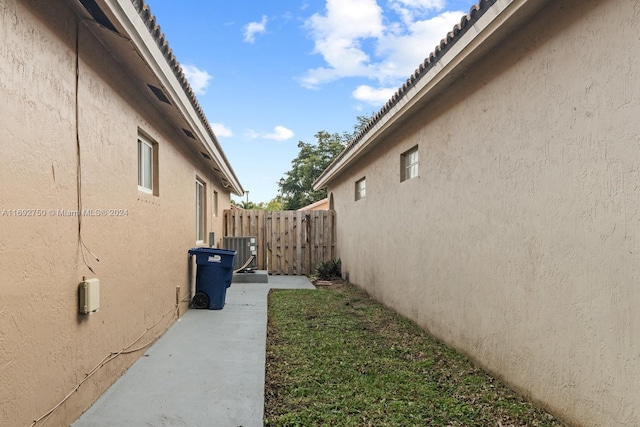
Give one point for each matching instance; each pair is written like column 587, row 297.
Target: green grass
column 336, row 357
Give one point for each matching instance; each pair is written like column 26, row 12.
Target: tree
column 247, row 205
column 297, row 186
column 274, row 204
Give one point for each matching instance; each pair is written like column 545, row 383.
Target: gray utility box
column 245, row 246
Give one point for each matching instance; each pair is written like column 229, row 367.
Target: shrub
column 328, row 270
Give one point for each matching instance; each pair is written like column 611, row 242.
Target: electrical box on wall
column 89, row 296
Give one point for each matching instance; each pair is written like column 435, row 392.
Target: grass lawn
column 337, row 357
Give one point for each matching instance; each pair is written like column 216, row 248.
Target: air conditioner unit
column 246, row 246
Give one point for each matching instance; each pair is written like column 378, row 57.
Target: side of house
column 108, row 170
column 495, row 201
column 320, row 205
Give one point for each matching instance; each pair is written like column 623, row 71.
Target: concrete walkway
column 206, row 370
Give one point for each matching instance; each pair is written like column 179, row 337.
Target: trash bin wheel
column 200, row 300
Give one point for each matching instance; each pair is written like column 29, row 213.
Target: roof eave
column 138, row 33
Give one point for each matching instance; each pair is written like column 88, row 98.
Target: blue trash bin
column 213, row 276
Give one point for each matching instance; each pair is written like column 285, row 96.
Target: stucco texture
column 46, row 346
column 518, row 243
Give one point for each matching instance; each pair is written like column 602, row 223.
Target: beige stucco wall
column 519, row 242
column 46, row 346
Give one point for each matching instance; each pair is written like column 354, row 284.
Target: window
column 147, row 166
column 409, row 164
column 361, row 188
column 200, row 211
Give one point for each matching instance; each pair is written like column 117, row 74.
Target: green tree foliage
column 296, row 186
column 250, row 205
column 274, row 205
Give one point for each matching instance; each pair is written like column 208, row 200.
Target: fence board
column 298, row 234
column 289, row 242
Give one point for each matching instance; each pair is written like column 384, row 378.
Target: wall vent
column 97, row 14
column 159, row 94
column 245, row 246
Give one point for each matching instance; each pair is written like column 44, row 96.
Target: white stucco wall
column 46, row 346
column 519, row 243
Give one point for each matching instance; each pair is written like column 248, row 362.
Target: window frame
column 410, row 164
column 361, row 188
column 147, row 154
column 201, row 210
column 145, row 165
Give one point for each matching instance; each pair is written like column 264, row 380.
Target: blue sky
column 271, row 73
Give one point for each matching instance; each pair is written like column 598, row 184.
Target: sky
column 269, row 74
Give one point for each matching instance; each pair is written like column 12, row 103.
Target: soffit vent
column 159, row 94
column 97, row 14
column 205, row 155
column 188, row 133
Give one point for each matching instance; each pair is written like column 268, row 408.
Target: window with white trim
column 361, row 188
column 409, row 164
column 200, row 211
column 147, row 165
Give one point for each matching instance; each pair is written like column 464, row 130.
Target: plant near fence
column 329, row 270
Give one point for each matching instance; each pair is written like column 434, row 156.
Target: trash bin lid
column 216, row 251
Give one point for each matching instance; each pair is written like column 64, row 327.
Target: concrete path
column 206, row 370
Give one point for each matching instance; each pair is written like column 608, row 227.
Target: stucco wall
column 46, row 346
column 518, row 242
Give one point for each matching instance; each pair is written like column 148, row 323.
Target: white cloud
column 421, row 4
column 280, row 133
column 359, row 39
column 404, row 52
column 373, row 96
column 348, row 20
column 252, row 134
column 221, row 130
column 412, row 10
column 337, row 37
column 198, row 79
column 253, row 28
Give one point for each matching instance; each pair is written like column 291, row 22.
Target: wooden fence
column 289, row 242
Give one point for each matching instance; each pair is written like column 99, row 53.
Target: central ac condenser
column 246, row 246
